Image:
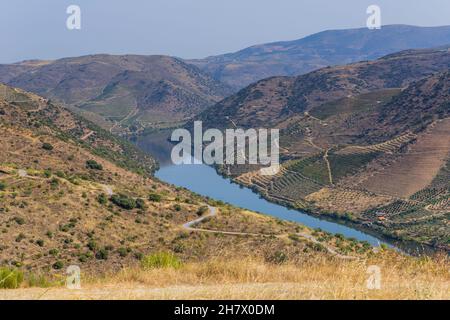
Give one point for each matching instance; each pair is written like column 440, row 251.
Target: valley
column 87, row 179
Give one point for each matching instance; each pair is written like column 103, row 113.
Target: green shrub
column 202, row 210
column 123, row 201
column 140, row 204
column 2, row 186
column 92, row 164
column 160, row 260
column 123, row 252
column 40, row 242
column 102, row 199
column 58, row 265
column 47, row 173
column 279, row 257
column 19, row 220
column 102, row 254
column 10, row 279
column 154, row 197
column 47, row 146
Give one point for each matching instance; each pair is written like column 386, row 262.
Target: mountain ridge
column 326, row 48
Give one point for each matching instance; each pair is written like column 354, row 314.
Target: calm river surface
column 204, row 180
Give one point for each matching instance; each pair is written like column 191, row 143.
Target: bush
column 102, row 254
column 2, row 186
column 154, row 197
column 40, row 242
column 102, row 199
column 47, row 146
column 279, row 257
column 123, row 201
column 58, row 265
column 160, row 260
column 140, row 204
column 19, row 220
column 92, row 164
column 10, row 279
column 202, row 210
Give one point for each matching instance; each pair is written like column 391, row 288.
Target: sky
column 36, row 29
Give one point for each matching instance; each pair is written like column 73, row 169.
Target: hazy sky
column 32, row 29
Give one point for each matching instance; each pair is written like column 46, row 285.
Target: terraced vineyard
column 313, row 167
column 293, row 185
column 388, row 146
column 343, row 165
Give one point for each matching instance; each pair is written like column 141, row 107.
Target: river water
column 204, row 180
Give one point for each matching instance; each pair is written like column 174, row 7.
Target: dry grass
column 316, row 278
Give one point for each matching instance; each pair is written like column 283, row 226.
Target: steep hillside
column 328, row 48
column 72, row 194
column 272, row 101
column 378, row 159
column 130, row 90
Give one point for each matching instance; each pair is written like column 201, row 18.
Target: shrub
column 47, row 146
column 92, row 164
column 279, row 257
column 2, row 186
column 92, row 245
column 160, row 260
column 10, row 279
column 177, row 207
column 154, row 197
column 47, row 173
column 53, row 252
column 102, row 199
column 19, row 220
column 202, row 210
column 102, row 254
column 123, row 252
column 40, row 242
column 58, row 265
column 140, row 204
column 123, row 201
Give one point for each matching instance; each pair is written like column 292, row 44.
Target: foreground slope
column 71, row 193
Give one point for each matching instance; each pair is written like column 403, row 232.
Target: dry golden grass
column 317, row 278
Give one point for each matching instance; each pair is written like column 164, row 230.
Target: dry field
column 316, row 278
column 415, row 169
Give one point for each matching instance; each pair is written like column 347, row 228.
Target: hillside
column 366, row 143
column 131, row 91
column 71, row 193
column 271, row 101
column 328, row 48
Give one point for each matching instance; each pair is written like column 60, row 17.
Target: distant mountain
column 328, row 48
column 130, row 89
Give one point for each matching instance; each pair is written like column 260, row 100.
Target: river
column 204, row 180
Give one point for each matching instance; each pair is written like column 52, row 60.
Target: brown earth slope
column 72, row 197
column 131, row 90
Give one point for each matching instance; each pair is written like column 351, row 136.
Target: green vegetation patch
column 10, row 278
column 343, row 165
column 161, row 260
column 312, row 167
